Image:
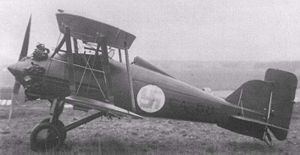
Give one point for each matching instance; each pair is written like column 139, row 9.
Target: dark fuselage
column 181, row 101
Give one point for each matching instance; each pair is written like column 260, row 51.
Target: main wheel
column 60, row 126
column 45, row 137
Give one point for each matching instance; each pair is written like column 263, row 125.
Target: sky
column 206, row 30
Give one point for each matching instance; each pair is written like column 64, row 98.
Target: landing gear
column 60, row 125
column 50, row 133
column 46, row 136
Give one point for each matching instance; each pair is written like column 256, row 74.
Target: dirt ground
column 145, row 136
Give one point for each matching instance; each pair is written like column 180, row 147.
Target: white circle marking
column 151, row 98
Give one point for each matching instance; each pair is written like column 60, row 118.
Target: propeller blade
column 16, row 87
column 11, row 106
column 14, row 95
column 23, row 54
column 25, row 45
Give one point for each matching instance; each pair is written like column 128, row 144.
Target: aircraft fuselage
column 156, row 95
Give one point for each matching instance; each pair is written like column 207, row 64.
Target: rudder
column 283, row 95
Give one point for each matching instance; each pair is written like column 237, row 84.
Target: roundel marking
column 150, row 98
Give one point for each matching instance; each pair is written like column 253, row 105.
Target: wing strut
column 129, row 78
column 70, row 69
column 103, row 44
column 120, row 55
column 70, row 61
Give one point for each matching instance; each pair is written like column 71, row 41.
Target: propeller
column 23, row 54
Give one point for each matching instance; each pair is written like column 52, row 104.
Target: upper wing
column 87, row 30
column 98, row 105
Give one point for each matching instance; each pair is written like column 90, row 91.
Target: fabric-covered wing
column 87, row 30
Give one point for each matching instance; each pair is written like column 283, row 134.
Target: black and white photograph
column 149, row 77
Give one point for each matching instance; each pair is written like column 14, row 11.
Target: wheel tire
column 51, row 137
column 60, row 125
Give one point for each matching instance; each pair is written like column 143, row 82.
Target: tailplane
column 266, row 106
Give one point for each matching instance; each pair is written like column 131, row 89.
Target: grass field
column 146, row 136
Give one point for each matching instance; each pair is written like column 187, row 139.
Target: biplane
column 81, row 72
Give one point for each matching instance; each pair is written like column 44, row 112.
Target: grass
column 147, row 136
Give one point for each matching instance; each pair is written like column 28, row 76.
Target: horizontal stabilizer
column 98, row 105
column 259, row 122
column 249, row 126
